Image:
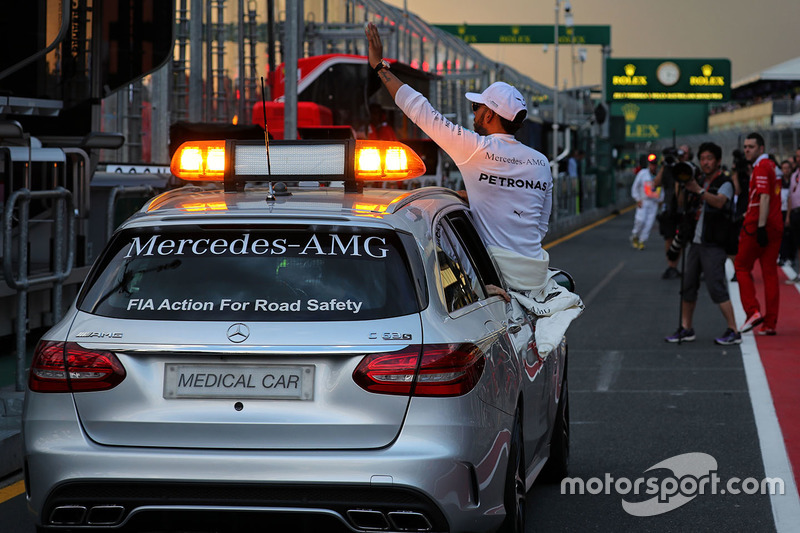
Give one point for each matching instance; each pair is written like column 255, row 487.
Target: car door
column 532, row 376
column 470, row 319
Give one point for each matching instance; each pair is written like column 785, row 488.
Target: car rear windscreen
column 252, row 274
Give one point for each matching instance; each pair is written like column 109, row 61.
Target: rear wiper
column 127, row 277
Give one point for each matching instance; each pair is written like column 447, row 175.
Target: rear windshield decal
column 271, row 274
column 315, row 245
column 258, row 305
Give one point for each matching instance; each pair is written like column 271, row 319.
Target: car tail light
column 69, row 367
column 444, row 370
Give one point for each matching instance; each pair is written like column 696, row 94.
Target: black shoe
column 671, row 273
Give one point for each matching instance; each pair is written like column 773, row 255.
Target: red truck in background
column 340, row 97
column 339, row 93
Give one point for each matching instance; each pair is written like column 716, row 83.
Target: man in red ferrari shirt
column 760, row 239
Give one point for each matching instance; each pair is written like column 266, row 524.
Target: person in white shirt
column 509, row 184
column 648, row 197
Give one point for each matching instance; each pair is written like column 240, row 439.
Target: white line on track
column 785, row 507
column 603, row 282
column 609, row 370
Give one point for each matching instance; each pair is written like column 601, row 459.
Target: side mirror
column 564, row 279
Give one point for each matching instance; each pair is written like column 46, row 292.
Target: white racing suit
column 510, row 193
column 650, row 198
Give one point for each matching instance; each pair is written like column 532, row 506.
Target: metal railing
column 572, row 195
column 63, row 255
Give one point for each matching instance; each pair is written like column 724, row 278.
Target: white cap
column 502, row 98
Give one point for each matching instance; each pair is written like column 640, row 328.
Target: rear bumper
column 137, row 505
column 450, row 475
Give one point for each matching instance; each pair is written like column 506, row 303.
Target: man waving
column 509, row 184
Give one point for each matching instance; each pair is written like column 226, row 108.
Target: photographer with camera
column 669, row 218
column 712, row 207
column 760, row 239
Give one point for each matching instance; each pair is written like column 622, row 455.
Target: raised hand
column 375, row 44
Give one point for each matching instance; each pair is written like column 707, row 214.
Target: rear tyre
column 558, row 464
column 515, row 483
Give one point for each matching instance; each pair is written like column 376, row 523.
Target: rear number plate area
column 261, row 382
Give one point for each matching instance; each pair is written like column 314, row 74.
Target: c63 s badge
column 390, row 336
column 100, row 334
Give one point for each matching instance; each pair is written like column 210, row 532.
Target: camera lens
column 684, row 171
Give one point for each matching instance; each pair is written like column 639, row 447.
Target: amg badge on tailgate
column 100, row 334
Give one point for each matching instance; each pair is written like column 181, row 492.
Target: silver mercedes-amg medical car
column 249, row 356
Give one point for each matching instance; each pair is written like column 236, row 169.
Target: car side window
column 468, row 236
column 459, row 278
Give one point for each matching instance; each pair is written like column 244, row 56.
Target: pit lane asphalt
column 636, row 400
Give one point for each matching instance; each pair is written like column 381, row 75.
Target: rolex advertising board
column 528, row 34
column 655, row 122
column 668, row 80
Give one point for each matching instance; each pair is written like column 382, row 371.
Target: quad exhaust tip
column 105, row 515
column 75, row 515
column 368, row 519
column 372, row 520
column 409, row 521
column 68, row 515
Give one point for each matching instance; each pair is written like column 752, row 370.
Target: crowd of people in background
column 748, row 213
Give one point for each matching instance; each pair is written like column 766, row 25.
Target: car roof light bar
column 235, row 162
column 307, row 160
